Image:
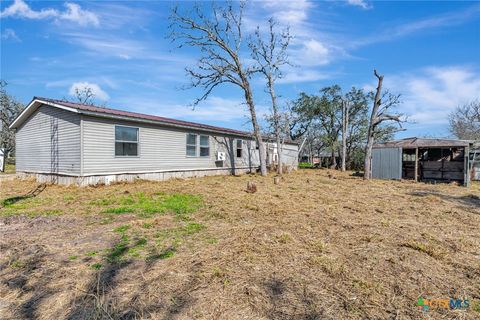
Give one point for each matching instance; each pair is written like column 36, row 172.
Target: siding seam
column 81, row 145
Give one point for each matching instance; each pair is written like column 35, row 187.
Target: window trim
column 187, row 145
column 237, row 148
column 200, row 145
column 115, row 141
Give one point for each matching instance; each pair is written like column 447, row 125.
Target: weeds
column 121, row 229
column 119, row 249
column 164, row 254
column 318, row 246
column 428, row 248
column 91, row 253
column 106, row 220
column 284, row 238
column 17, row 264
column 118, row 210
column 180, row 205
column 96, row 266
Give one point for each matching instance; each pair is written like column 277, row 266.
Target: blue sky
column 428, row 51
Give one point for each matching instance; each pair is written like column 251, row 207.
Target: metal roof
column 135, row 115
column 415, row 142
column 124, row 115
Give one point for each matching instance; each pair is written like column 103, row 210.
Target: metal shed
column 421, row 159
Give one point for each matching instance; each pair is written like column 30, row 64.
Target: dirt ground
column 319, row 245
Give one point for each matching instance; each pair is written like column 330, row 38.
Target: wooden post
column 466, row 174
column 416, row 164
column 276, row 180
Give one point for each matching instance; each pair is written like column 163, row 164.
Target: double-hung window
column 126, row 141
column 204, row 146
column 239, row 148
column 191, row 145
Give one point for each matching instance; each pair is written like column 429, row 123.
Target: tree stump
column 251, row 187
column 276, row 180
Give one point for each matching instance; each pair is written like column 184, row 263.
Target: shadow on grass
column 281, row 298
column 32, row 194
column 24, row 277
column 94, row 303
column 470, row 200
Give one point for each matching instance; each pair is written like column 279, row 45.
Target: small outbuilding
column 422, row 159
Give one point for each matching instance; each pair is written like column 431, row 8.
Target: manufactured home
column 421, row 159
column 71, row 143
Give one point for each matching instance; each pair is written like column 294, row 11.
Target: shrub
column 305, row 165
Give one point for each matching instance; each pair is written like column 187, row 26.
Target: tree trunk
column 276, row 122
column 256, row 127
column 334, row 160
column 368, row 157
column 371, row 128
column 4, row 158
column 344, row 134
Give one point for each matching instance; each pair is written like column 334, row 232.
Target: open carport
column 422, row 159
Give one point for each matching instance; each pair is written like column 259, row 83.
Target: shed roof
column 415, row 142
column 122, row 115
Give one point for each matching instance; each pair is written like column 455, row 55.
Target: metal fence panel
column 387, row 163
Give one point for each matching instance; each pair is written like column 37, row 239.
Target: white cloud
column 10, row 34
column 72, row 13
column 76, row 14
column 107, row 45
column 212, row 110
column 429, row 95
column 96, row 90
column 297, row 75
column 429, row 23
column 310, row 48
column 289, row 12
column 110, row 45
column 359, row 3
column 20, row 9
column 314, row 52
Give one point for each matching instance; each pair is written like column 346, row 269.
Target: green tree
column 318, row 120
column 10, row 108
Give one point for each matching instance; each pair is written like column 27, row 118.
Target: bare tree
column 382, row 105
column 10, row 108
column 219, row 36
column 271, row 55
column 465, row 121
column 85, row 95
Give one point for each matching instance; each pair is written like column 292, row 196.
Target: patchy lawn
column 9, row 168
column 319, row 245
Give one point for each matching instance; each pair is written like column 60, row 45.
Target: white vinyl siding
column 160, row 149
column 49, row 142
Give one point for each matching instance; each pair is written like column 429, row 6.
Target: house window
column 126, row 141
column 239, row 148
column 191, row 145
column 204, row 146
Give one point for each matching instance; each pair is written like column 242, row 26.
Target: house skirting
column 127, row 177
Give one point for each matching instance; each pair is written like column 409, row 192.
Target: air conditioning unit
column 221, row 156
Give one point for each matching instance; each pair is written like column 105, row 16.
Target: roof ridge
column 131, row 114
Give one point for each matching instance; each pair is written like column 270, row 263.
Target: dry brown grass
column 319, row 245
